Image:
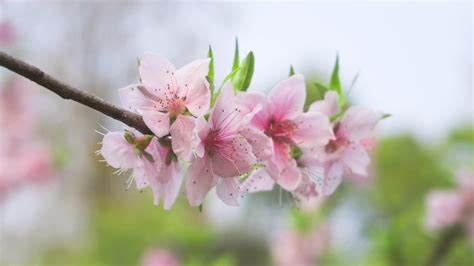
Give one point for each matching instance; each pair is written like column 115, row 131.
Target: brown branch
column 441, row 248
column 68, row 92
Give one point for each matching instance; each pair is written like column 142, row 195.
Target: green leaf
column 200, row 208
column 314, row 92
column 335, row 83
column 386, row 116
column 292, row 71
column 242, row 79
column 230, row 76
column 235, row 65
column 210, row 74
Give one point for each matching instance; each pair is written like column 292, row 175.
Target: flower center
column 281, row 131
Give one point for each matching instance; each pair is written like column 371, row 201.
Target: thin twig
column 441, row 248
column 68, row 92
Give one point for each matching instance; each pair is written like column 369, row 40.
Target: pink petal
column 145, row 171
column 290, row 177
column 171, row 188
column 288, row 98
column 224, row 108
column 332, row 178
column 199, row 181
column 356, row 159
column 329, row 106
column 193, row 85
column 262, row 146
column 251, row 101
column 358, row 122
column 313, row 130
column 117, row 151
column 200, row 133
column 234, row 159
column 182, row 136
column 258, row 181
column 228, row 190
column 158, row 73
column 133, row 99
column 157, row 122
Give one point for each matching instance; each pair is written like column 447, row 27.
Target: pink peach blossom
column 223, row 154
column 300, row 248
column 159, row 257
column 170, row 99
column 286, row 127
column 452, row 207
column 347, row 154
column 123, row 155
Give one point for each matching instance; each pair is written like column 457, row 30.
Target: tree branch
column 68, row 92
column 441, row 248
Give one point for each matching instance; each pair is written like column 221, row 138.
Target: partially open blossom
column 223, row 154
column 169, row 99
column 292, row 247
column 159, row 257
column 288, row 128
column 122, row 150
column 169, row 179
column 453, row 206
column 347, row 154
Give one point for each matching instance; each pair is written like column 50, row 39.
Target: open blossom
column 143, row 154
column 223, row 154
column 169, row 99
column 297, row 248
column 159, row 257
column 451, row 207
column 347, row 154
column 287, row 128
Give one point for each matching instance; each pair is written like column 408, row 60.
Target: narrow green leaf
column 292, row 71
column 335, row 83
column 235, row 64
column 210, row 74
column 242, row 79
column 386, row 116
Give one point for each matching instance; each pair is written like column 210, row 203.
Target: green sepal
column 170, row 157
column 142, row 144
column 129, row 137
column 200, row 208
column 148, row 156
column 236, row 61
column 139, row 61
column 296, row 152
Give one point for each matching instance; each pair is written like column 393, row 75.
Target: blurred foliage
column 125, row 225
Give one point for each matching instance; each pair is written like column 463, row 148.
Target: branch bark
column 441, row 248
column 68, row 92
